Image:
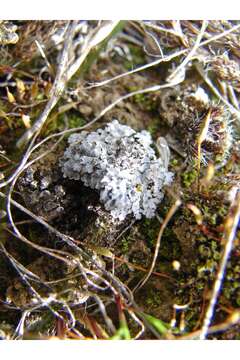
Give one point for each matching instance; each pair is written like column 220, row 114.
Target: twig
column 232, row 320
column 171, row 212
column 139, row 322
column 40, row 48
column 165, row 59
column 108, row 321
column 66, row 71
column 228, row 236
column 162, row 29
column 57, row 88
column 179, row 70
column 140, row 68
column 101, row 34
column 232, row 108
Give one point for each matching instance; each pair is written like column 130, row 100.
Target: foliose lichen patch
column 122, row 165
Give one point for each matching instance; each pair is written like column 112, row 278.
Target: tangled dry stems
column 80, row 256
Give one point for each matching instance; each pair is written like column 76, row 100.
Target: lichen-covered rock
column 121, row 164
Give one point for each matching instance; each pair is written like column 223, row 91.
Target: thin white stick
column 57, row 88
column 165, row 59
column 229, row 236
column 171, row 212
column 65, row 72
column 188, row 58
column 232, row 108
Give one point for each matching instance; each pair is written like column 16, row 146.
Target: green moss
column 189, row 177
column 174, row 162
column 238, row 297
column 41, row 325
column 153, row 298
column 150, row 228
column 147, row 102
column 137, row 55
column 125, row 245
column 153, row 127
column 204, row 251
column 74, row 120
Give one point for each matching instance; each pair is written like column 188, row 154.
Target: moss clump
column 146, row 102
column 189, row 177
column 125, row 244
column 153, row 299
column 40, row 325
column 174, row 162
column 75, row 121
column 150, row 228
column 153, row 127
column 231, row 288
column 137, row 57
column 59, row 121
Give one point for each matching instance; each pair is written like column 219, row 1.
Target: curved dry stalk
column 63, row 237
column 161, row 55
column 51, row 252
column 215, row 91
column 228, row 237
column 158, row 28
column 22, row 270
column 21, row 165
column 70, row 242
column 165, row 59
column 202, row 137
column 57, row 88
column 19, row 331
column 232, row 320
column 18, row 267
column 17, row 233
column 170, row 214
column 66, row 71
column 180, row 69
column 139, row 322
column 140, row 68
column 101, row 33
column 232, row 96
column 108, row 321
column 127, row 96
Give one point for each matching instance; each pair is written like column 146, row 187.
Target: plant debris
column 90, row 248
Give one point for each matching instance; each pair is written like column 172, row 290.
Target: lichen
column 121, row 164
column 8, row 33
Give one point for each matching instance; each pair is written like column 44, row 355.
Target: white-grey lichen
column 8, row 33
column 122, row 165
